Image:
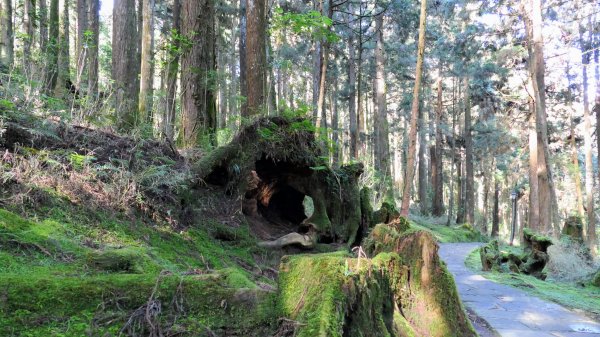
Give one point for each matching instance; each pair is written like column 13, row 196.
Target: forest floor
column 511, row 311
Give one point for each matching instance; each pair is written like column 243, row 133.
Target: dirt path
column 511, row 312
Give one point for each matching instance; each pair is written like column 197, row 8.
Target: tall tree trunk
column 412, row 145
column 6, row 33
column 93, row 44
column 546, row 196
column 147, row 64
column 53, row 48
column 495, row 215
column 352, row 99
column 469, row 181
column 437, row 208
column 124, row 57
column 453, row 155
column 382, row 155
column 82, row 26
column 534, row 203
column 172, row 72
column 587, row 135
column 574, row 150
column 43, row 25
column 64, row 71
column 243, row 62
column 256, row 58
column 422, row 164
column 198, row 66
column 360, row 117
column 335, row 127
column 28, row 24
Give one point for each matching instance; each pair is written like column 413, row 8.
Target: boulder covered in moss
column 490, row 255
column 573, row 228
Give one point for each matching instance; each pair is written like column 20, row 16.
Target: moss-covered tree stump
column 404, row 290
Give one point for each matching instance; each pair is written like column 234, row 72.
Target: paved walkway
column 510, row 311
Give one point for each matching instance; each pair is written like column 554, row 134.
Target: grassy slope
column 570, row 295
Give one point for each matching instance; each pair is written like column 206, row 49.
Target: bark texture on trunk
column 171, row 78
column 198, row 67
column 6, row 33
column 256, row 56
column 352, row 99
column 147, row 64
column 382, row 147
column 412, row 142
column 545, row 196
column 52, row 50
column 437, row 173
column 124, row 57
column 93, row 43
column 80, row 47
column 587, row 136
column 469, row 179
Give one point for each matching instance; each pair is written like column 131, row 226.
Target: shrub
column 570, row 261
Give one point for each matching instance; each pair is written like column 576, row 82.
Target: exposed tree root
column 304, row 240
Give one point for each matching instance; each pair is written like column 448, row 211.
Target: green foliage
column 310, row 24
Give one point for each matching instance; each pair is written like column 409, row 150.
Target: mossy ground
column 584, row 297
column 64, row 272
column 446, row 234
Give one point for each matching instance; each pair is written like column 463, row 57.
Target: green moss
column 46, row 305
column 446, row 234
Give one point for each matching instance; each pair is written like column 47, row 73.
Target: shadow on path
column 509, row 311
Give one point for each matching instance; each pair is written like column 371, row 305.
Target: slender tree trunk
column 534, row 203
column 335, row 127
column 352, row 99
column 147, row 64
column 6, row 33
column 256, row 58
column 576, row 170
column 243, row 63
column 495, row 215
column 469, row 181
column 124, row 57
column 93, row 44
column 382, row 155
column 53, row 48
column 412, row 145
column 172, row 72
column 82, row 26
column 596, row 109
column 359, row 100
column 28, row 24
column 64, row 71
column 198, row 66
column 453, row 155
column 437, row 172
column 587, row 130
column 422, row 164
column 43, row 25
